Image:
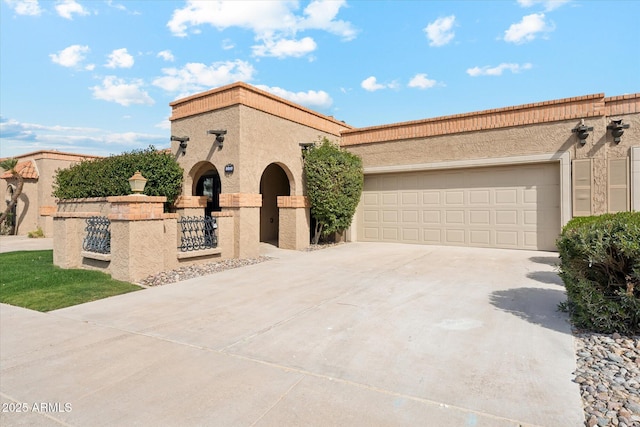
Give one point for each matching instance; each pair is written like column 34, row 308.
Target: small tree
column 334, row 184
column 10, row 165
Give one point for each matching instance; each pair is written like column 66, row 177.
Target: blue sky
column 96, row 77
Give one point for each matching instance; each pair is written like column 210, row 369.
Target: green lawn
column 29, row 279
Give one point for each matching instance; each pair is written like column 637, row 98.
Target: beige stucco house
column 36, row 205
column 504, row 178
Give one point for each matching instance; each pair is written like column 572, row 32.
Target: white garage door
column 503, row 207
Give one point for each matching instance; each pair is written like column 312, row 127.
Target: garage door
column 503, row 207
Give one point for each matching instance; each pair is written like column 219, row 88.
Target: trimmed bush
column 600, row 266
column 109, row 176
column 334, row 183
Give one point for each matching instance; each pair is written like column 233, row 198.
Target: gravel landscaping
column 608, row 372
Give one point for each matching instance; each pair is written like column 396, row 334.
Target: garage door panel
column 480, row 237
column 389, row 199
column 431, row 198
column 506, row 196
column 431, row 217
column 482, row 217
column 390, row 234
column 389, row 217
column 371, row 199
column 454, row 197
column 454, row 217
column 371, row 217
column 432, row 235
column 454, row 236
column 505, row 206
column 409, row 198
column 506, row 238
column 410, row 217
column 506, row 217
column 479, row 197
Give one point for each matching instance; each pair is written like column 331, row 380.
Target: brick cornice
column 293, row 202
column 243, row 94
column 240, row 200
column 526, row 114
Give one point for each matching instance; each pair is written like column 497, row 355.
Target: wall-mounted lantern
column 228, row 168
column 582, row 131
column 137, row 183
column 219, row 136
column 305, row 147
column 183, row 142
column 617, row 129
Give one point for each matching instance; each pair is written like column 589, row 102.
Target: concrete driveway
column 360, row 334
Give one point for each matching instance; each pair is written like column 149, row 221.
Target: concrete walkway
column 355, row 335
column 24, row 243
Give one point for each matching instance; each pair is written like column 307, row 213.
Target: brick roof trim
column 541, row 112
column 53, row 154
column 245, row 94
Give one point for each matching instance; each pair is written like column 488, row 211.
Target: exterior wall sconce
column 183, row 142
column 219, row 136
column 229, row 168
column 305, row 147
column 137, row 183
column 617, row 129
column 583, row 132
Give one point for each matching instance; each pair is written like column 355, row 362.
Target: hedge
column 109, row 176
column 600, row 266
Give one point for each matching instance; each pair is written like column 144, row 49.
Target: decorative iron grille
column 98, row 238
column 197, row 233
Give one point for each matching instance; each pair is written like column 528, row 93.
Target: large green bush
column 109, row 176
column 334, row 183
column 600, row 266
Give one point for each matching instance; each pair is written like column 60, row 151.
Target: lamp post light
column 137, row 183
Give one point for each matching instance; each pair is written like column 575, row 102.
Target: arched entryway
column 274, row 183
column 208, row 184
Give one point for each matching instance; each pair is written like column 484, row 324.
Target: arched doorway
column 274, row 183
column 209, row 185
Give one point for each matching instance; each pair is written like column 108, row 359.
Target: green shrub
column 109, row 176
column 600, row 266
column 334, row 183
column 36, row 234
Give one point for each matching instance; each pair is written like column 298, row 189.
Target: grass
column 29, row 279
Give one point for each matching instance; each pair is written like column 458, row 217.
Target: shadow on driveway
column 535, row 305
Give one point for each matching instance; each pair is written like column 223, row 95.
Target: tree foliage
column 109, row 176
column 334, row 184
column 600, row 266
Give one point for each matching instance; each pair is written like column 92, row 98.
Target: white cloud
column 119, row 91
column 70, row 56
column 25, row 7
column 439, row 32
column 421, row 81
column 90, row 67
column 527, row 29
column 548, row 5
column 311, row 98
column 19, row 137
column 274, row 23
column 227, row 44
column 120, row 58
column 166, row 55
column 497, row 71
column 284, row 48
column 66, row 9
column 196, row 77
column 371, row 84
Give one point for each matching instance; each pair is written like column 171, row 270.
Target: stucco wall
column 545, row 138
